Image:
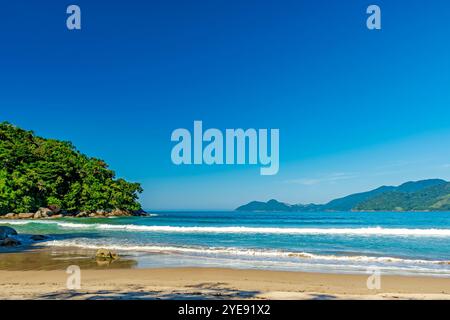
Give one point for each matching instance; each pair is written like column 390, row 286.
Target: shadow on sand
column 199, row 292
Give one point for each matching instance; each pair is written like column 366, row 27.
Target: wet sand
column 41, row 274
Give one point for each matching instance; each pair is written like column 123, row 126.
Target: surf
column 366, row 231
column 232, row 251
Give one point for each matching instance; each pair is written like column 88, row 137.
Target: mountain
column 352, row 202
column 432, row 198
column 271, row 205
column 424, row 195
column 349, row 202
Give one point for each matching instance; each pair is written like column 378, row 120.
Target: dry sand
column 202, row 283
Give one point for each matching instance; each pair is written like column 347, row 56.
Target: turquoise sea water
column 346, row 242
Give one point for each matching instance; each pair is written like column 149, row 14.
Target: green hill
column 271, row 206
column 37, row 172
column 349, row 202
column 434, row 198
column 424, row 195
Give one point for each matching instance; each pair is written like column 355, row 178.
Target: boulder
column 44, row 212
column 55, row 209
column 140, row 213
column 25, row 215
column 5, row 232
column 9, row 242
column 82, row 214
column 120, row 213
column 38, row 237
column 102, row 213
column 56, row 216
column 11, row 215
column 105, row 254
column 37, row 215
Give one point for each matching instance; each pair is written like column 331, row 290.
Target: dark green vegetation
column 425, row 195
column 37, row 172
column 434, row 198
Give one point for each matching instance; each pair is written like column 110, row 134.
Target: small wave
column 87, row 244
column 369, row 231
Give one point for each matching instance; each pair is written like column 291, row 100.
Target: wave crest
column 231, row 251
column 369, row 231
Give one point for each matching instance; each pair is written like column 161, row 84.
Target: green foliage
column 435, row 198
column 424, row 195
column 37, row 172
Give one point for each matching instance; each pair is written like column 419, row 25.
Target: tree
column 37, row 172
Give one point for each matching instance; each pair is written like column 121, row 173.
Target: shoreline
column 215, row 283
column 41, row 274
column 48, row 257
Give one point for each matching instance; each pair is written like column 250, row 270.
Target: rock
column 5, row 232
column 82, row 214
column 120, row 213
column 44, row 212
column 11, row 215
column 105, row 254
column 140, row 213
column 101, row 212
column 55, row 209
column 38, row 237
column 56, row 216
column 10, row 242
column 25, row 215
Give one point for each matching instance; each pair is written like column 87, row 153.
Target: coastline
column 47, row 280
column 211, row 240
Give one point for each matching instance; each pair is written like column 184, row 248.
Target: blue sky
column 356, row 108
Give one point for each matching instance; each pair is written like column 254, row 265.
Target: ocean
column 413, row 243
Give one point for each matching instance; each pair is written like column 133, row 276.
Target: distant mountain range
column 424, row 195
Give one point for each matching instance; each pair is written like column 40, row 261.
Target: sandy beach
column 28, row 275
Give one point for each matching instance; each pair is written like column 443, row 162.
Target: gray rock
column 55, row 209
column 5, row 232
column 38, row 237
column 140, row 213
column 9, row 242
column 43, row 213
column 82, row 214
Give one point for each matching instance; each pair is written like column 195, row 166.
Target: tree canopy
column 37, row 172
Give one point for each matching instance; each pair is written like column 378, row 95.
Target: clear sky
column 356, row 108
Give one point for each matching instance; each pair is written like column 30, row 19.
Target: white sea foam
column 231, row 251
column 369, row 231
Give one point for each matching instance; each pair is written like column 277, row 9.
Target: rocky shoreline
column 8, row 236
column 56, row 213
column 9, row 239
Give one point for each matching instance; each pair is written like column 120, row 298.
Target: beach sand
column 40, row 274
